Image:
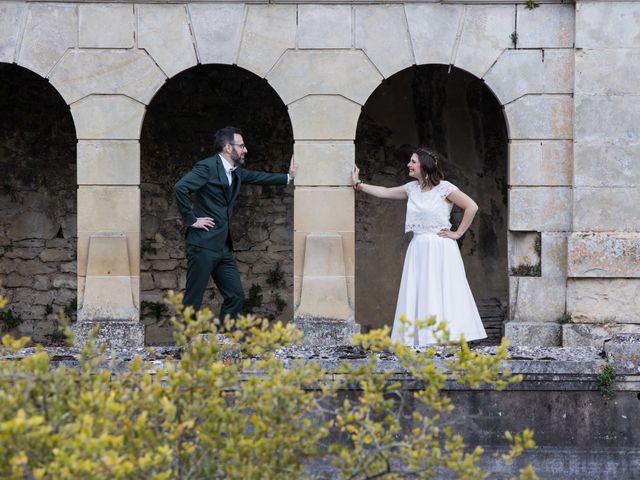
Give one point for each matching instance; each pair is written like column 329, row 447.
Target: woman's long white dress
column 433, row 277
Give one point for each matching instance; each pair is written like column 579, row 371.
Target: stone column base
column 116, row 335
column 325, row 332
column 533, row 334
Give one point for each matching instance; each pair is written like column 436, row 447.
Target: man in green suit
column 214, row 184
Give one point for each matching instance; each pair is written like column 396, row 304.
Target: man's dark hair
column 224, row 136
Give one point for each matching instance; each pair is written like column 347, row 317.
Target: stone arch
column 176, row 133
column 38, row 207
column 456, row 113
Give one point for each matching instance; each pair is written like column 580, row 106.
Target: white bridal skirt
column 434, row 283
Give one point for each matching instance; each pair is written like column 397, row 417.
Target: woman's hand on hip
column 446, row 233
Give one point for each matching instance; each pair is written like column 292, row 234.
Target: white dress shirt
column 228, row 168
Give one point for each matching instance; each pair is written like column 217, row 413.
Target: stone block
column 486, row 33
column 349, row 253
column 133, row 247
column 103, row 260
column 323, row 209
column 324, row 117
column 108, row 293
column 381, row 31
column 600, row 117
column 541, row 117
column 108, row 299
column 324, row 26
column 604, row 300
column 548, row 26
column 554, row 256
column 30, row 224
column 533, row 334
column 516, row 73
column 536, row 299
column 49, row 31
column 324, row 163
column 559, row 71
column 320, row 332
column 433, row 29
column 299, row 242
column 127, row 72
column 540, row 209
column 324, row 288
column 540, row 162
column 106, row 26
column 624, row 349
column 32, row 267
column 601, row 25
column 14, row 280
column 115, row 335
column 611, row 254
column 11, row 17
column 108, row 162
column 594, row 72
column 269, row 30
column 340, row 72
column 42, row 283
column 525, row 249
column 606, row 164
column 107, row 117
column 165, row 280
column 57, row 255
column 216, row 29
column 65, row 281
column 584, row 335
column 606, row 209
column 108, row 209
column 163, row 31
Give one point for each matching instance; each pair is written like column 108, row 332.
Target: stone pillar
column 534, row 82
column 324, row 112
column 324, row 228
column 109, row 219
column 604, row 248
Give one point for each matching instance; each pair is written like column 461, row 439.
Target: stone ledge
column 543, row 368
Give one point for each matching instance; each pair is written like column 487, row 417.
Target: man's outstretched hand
column 203, row 223
column 293, row 168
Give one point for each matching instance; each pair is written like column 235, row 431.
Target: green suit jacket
column 212, row 197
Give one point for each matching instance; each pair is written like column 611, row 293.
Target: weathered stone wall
column 177, row 132
column 456, row 114
column 37, row 204
column 604, row 248
column 324, row 61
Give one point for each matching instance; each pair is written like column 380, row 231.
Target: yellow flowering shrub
column 231, row 410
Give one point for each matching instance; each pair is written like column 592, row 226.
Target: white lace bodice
column 428, row 212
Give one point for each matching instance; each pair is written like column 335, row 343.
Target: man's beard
column 237, row 158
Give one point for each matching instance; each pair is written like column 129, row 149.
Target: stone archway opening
column 177, row 132
column 37, row 206
column 455, row 113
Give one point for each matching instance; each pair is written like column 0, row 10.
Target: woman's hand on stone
column 355, row 175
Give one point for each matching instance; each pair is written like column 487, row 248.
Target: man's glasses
column 241, row 145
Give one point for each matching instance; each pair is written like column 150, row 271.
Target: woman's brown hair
column 430, row 166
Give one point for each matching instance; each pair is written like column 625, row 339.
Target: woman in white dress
column 433, row 278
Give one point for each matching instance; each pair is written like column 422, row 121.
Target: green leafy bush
column 229, row 409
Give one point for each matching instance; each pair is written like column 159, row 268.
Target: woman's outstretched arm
column 393, row 193
column 466, row 203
